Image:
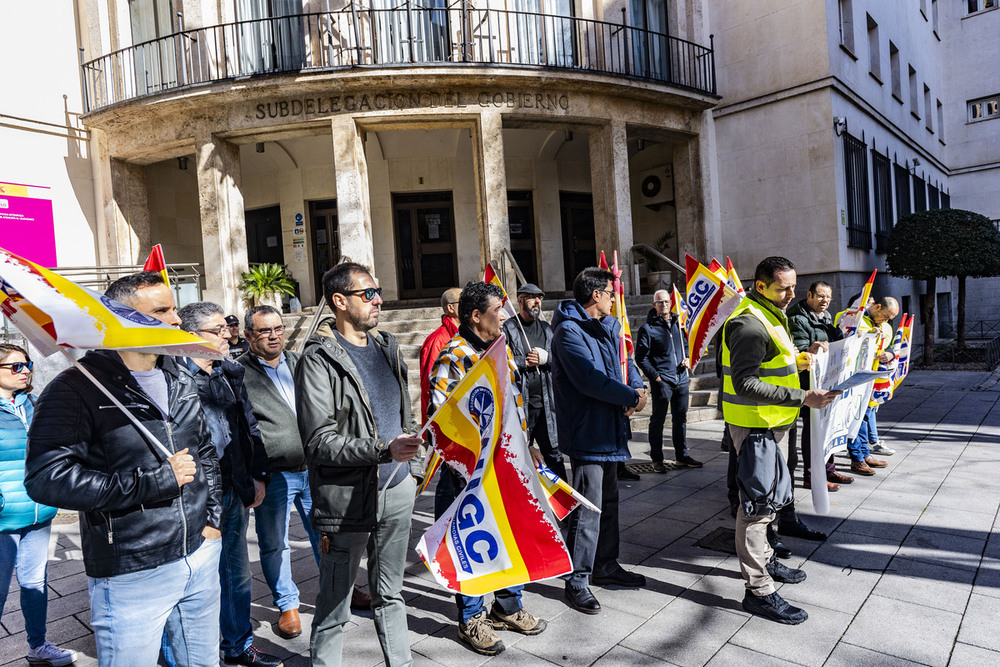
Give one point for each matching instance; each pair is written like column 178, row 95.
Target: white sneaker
column 881, row 450
column 50, row 654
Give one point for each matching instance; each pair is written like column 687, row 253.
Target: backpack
column 762, row 475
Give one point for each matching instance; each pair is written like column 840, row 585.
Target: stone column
column 491, row 189
column 122, row 207
column 612, row 200
column 223, row 225
column 354, row 215
column 696, row 196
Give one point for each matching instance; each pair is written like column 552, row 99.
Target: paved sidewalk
column 909, row 575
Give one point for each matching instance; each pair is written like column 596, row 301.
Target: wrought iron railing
column 407, row 35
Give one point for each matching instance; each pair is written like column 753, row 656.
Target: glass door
column 426, row 258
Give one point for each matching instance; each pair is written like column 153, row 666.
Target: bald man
column 660, row 353
column 432, row 347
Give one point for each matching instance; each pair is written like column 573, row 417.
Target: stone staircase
column 411, row 323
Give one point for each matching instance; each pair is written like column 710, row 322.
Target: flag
column 850, row 319
column 53, row 312
column 562, row 497
column 497, row 533
column 155, row 262
column 490, row 276
column 731, row 278
column 716, row 267
column 433, row 463
column 903, row 354
column 885, row 387
column 710, row 302
column 679, row 309
column 619, row 312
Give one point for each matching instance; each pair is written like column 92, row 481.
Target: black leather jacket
column 84, row 454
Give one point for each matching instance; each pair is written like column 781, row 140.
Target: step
column 640, row 422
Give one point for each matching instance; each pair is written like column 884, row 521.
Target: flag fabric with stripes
column 155, row 262
column 679, row 309
column 498, row 533
column 619, row 312
column 562, row 497
column 491, row 276
column 731, row 278
column 433, row 463
column 850, row 320
column 710, row 301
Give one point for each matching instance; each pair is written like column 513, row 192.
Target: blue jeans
column 858, row 449
column 128, row 612
column 27, row 549
column 272, row 517
column 507, row 599
column 235, row 578
column 339, row 560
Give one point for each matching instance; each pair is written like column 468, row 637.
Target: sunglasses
column 366, row 294
column 19, row 366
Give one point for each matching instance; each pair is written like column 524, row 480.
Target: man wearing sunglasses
column 353, row 411
column 148, row 525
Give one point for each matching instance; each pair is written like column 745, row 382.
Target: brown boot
column 837, row 478
column 875, row 463
column 289, row 624
column 861, row 468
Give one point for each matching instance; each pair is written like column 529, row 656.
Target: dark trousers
column 592, row 538
column 676, row 398
column 539, row 433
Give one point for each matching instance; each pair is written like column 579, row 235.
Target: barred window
column 933, row 198
column 919, row 194
column 882, row 183
column 859, row 225
column 902, row 190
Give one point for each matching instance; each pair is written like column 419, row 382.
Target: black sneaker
column 773, row 608
column 689, row 462
column 779, row 548
column 619, row 577
column 625, row 473
column 795, row 528
column 786, row 575
column 253, row 656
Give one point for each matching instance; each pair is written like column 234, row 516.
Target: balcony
column 407, row 36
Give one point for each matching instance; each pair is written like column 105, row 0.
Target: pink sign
column 27, row 228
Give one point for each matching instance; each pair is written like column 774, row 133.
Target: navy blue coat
column 653, row 346
column 590, row 397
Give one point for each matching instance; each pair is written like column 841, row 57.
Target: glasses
column 366, row 294
column 266, row 333
column 217, row 331
column 19, row 366
column 661, row 302
column 609, row 292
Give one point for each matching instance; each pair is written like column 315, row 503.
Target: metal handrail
column 407, row 35
column 318, row 315
column 506, row 254
column 634, row 268
column 104, row 275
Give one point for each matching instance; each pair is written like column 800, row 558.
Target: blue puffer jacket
column 590, row 397
column 19, row 511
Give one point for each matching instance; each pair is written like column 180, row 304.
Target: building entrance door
column 264, row 236
column 426, row 261
column 521, row 216
column 325, row 240
column 579, row 246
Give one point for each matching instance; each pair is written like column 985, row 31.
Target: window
column 897, row 83
column 985, row 108
column 882, row 182
column 945, row 200
column 902, row 177
column 934, row 16
column 933, row 198
column 919, row 194
column 981, row 5
column 940, row 119
column 914, row 105
column 875, row 65
column 859, row 226
column 846, row 8
column 927, row 109
column 923, row 8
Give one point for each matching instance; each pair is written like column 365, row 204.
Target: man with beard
column 529, row 338
column 353, row 411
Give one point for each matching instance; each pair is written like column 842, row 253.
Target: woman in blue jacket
column 25, row 525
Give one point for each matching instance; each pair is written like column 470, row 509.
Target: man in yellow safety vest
column 761, row 399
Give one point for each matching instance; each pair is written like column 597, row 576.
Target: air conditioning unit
column 656, row 186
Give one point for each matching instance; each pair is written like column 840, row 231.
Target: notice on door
column 433, row 226
column 26, row 223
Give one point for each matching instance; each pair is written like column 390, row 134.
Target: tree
column 941, row 243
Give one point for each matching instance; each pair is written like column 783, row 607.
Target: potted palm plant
column 264, row 284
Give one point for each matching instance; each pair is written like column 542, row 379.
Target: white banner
column 837, row 424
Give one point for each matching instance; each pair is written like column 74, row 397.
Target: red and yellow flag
column 562, row 497
column 490, row 276
column 497, row 533
column 850, row 319
column 710, row 301
column 155, row 262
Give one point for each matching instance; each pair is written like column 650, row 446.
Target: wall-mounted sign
column 298, row 220
column 26, row 224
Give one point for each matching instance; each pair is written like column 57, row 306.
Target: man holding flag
column 593, row 404
column 148, row 522
column 353, row 411
column 481, row 317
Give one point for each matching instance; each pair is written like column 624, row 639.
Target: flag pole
column 139, row 425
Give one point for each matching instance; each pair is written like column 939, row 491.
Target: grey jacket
column 519, row 350
column 343, row 447
column 275, row 417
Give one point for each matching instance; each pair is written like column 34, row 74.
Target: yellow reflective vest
column 779, row 371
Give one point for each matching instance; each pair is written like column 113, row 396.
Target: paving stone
column 943, row 548
column 979, row 625
column 876, row 523
column 949, row 596
column 731, row 655
column 685, row 633
column 620, row 655
column 964, row 655
column 858, row 552
column 808, row 643
column 848, row 655
column 917, row 633
column 958, row 522
column 657, row 533
column 576, row 634
column 832, row 587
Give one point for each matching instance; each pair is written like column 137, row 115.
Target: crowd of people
column 164, row 486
